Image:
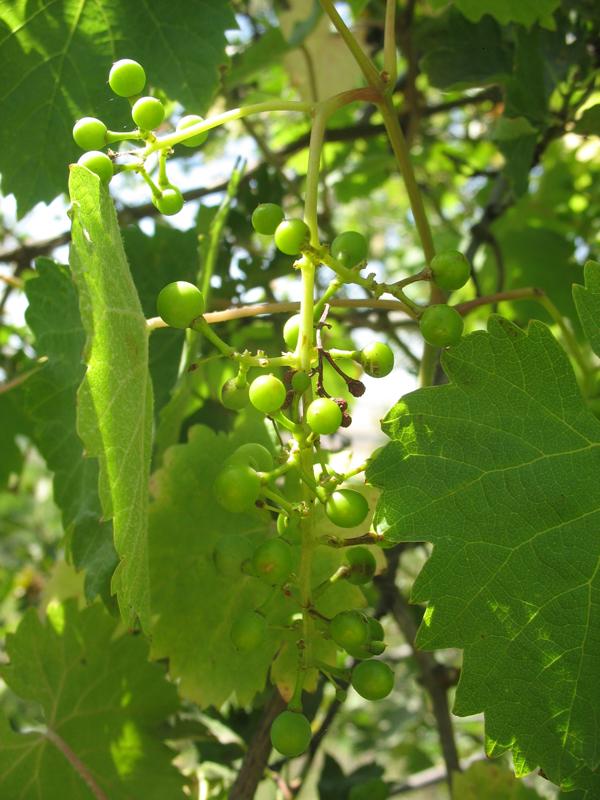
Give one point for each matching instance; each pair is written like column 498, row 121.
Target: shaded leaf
column 101, row 700
column 51, row 396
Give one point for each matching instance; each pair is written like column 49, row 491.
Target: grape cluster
column 291, row 391
column 127, row 79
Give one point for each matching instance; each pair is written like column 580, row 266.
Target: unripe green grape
column 267, row 394
column 272, row 561
column 291, row 331
column 376, row 647
column 170, row 202
column 237, row 488
column 291, row 235
column 254, row 455
column 179, row 304
column 248, row 631
column 349, row 248
column 187, row 122
column 234, row 397
column 376, row 631
column 127, row 78
column 99, row 163
column 300, row 382
column 372, row 789
column 346, row 508
column 148, row 113
column 290, row 734
column 450, row 270
column 324, row 416
column 288, row 526
column 89, row 133
column 377, row 359
column 362, row 565
column 373, row 680
column 441, row 325
column 349, row 629
column 230, row 555
column 266, row 217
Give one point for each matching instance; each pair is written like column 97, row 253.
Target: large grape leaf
column 103, row 707
column 499, row 470
column 525, row 12
column 56, row 58
column 51, row 400
column 115, row 411
column 193, row 606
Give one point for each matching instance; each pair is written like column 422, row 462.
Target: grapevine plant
column 287, row 550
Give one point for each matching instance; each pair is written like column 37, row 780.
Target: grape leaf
column 56, row 58
column 458, row 53
column 104, row 706
column 51, row 396
column 525, row 12
column 498, row 470
column 589, row 122
column 587, row 303
column 485, row 781
column 117, row 377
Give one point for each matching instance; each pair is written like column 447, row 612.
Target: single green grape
column 376, row 631
column 179, row 304
column 254, row 455
column 170, row 202
column 290, row 734
column 289, row 527
column 89, row 133
column 291, row 235
column 362, row 565
column 450, row 270
column 266, row 217
column 148, row 113
column 441, row 325
column 373, row 680
column 372, row 789
column 350, row 248
column 127, row 78
column 291, row 331
column 324, row 416
column 187, row 122
column 377, row 359
column 267, row 394
column 237, row 488
column 230, row 555
column 349, row 629
column 234, row 397
column 300, row 382
column 273, row 562
column 99, row 163
column 346, row 508
column 248, row 631
column 376, row 647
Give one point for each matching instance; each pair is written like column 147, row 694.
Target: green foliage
column 104, row 708
column 44, row 49
column 117, row 377
column 520, row 439
column 484, row 781
column 525, row 12
column 51, row 401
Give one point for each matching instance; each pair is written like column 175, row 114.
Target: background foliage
column 500, row 104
